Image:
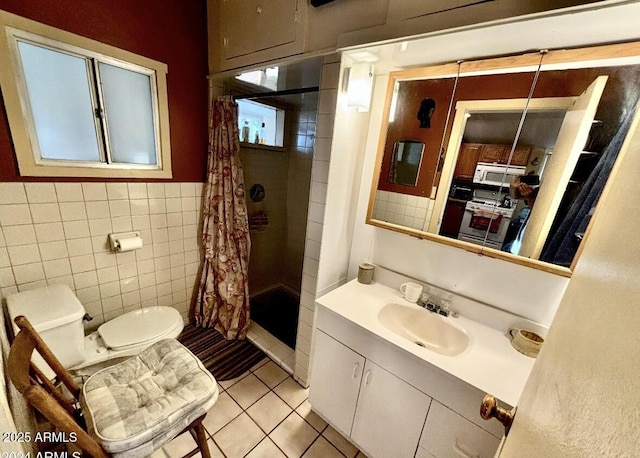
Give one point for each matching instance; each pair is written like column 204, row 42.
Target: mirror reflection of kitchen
column 480, row 208
column 462, row 192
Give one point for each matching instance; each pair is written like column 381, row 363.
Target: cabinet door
column 253, row 25
column 390, row 415
column 467, row 161
column 400, row 10
column 520, row 155
column 452, row 218
column 493, row 153
column 448, row 435
column 335, row 381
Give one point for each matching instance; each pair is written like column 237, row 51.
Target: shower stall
column 278, row 184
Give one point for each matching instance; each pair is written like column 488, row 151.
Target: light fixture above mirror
column 561, row 128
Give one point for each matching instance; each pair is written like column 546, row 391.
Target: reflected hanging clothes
column 515, row 232
column 562, row 245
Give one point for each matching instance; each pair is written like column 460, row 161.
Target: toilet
column 57, row 314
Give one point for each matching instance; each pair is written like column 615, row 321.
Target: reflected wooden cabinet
column 500, row 154
column 452, row 218
column 472, row 153
column 520, row 155
column 467, row 159
column 494, row 153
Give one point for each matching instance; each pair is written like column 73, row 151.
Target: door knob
column 490, row 409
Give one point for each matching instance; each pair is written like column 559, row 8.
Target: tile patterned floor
column 264, row 413
column 269, row 344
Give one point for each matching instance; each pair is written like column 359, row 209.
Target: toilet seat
column 138, row 327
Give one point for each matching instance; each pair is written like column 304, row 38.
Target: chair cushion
column 140, row 404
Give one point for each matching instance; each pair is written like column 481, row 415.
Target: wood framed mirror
column 514, row 169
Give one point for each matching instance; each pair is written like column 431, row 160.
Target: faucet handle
column 423, row 300
column 444, row 307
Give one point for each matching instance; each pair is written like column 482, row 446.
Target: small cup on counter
column 411, row 291
column 365, row 273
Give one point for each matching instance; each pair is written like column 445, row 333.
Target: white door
column 558, row 170
column 583, row 396
column 390, row 415
column 335, row 381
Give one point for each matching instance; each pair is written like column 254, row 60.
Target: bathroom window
column 83, row 108
column 260, row 124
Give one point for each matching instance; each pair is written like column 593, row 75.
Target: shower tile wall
column 317, row 200
column 268, row 168
column 277, row 252
column 57, row 233
column 299, row 182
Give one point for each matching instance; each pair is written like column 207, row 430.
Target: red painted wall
column 170, row 31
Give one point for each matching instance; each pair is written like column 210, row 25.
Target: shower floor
column 276, row 311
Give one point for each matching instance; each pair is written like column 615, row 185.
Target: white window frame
column 14, row 91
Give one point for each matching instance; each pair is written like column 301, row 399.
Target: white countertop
column 490, row 363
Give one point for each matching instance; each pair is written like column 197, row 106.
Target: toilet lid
column 139, row 326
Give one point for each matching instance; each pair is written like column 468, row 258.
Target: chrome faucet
column 441, row 307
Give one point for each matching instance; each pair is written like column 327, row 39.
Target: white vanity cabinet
column 389, row 415
column 390, row 404
column 381, row 413
column 449, row 435
column 336, row 381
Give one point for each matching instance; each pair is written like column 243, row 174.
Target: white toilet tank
column 56, row 313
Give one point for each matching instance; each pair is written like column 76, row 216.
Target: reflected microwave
column 492, row 174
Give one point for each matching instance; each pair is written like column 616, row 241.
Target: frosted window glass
column 128, row 103
column 60, row 98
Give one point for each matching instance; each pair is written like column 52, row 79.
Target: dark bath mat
column 225, row 359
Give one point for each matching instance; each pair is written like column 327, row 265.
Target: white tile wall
column 410, row 211
column 317, row 201
column 57, row 233
column 301, row 155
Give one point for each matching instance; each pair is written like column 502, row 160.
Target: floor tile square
column 269, row 411
column 271, row 374
column 259, row 364
column 184, row 443
column 266, row 449
column 304, row 410
column 293, row 435
column 237, row 438
column 229, row 383
column 321, row 448
column 247, row 391
column 339, row 441
column 222, row 412
column 291, row 392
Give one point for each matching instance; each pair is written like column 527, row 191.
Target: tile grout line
column 251, row 371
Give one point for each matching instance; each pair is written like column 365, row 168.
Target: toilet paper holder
column 114, row 238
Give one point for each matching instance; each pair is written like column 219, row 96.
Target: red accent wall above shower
column 170, row 31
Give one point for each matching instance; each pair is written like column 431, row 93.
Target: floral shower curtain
column 223, row 296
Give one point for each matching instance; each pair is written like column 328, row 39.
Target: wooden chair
column 67, row 415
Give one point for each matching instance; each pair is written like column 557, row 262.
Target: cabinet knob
column 259, row 10
column 490, row 409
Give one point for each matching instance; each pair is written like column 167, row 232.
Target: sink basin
column 424, row 328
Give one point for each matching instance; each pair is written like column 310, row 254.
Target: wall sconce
column 359, row 85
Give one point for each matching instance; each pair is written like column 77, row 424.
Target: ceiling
column 573, row 27
column 540, row 128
